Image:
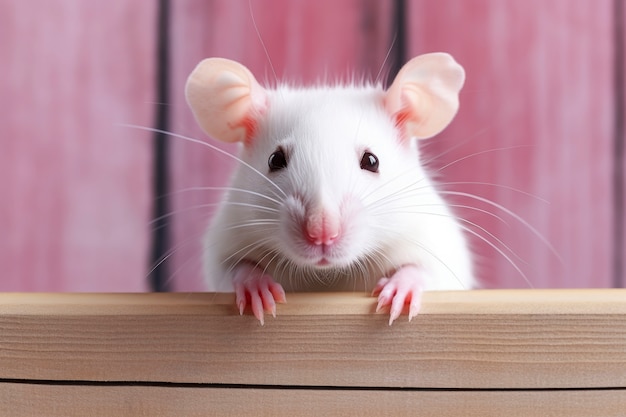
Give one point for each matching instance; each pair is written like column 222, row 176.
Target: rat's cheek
column 291, row 218
column 292, row 214
column 357, row 226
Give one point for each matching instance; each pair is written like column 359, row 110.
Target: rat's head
column 340, row 164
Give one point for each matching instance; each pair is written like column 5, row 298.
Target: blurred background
column 89, row 203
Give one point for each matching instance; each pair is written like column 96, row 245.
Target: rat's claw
column 397, row 305
column 385, row 294
column 256, row 303
column 240, row 297
column 415, row 305
column 379, row 286
column 404, row 287
column 259, row 289
column 277, row 291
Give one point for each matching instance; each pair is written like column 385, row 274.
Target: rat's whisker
column 256, row 207
column 385, row 185
column 212, row 147
column 171, row 252
column 258, row 34
column 171, row 276
column 243, row 257
column 382, row 66
column 458, row 144
column 426, row 250
column 487, row 241
column 490, row 184
column 228, row 189
column 501, row 252
column 482, row 229
column 180, row 211
column 391, row 195
column 253, row 223
column 510, row 213
column 472, row 155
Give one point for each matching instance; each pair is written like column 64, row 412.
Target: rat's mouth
column 323, row 262
column 327, row 261
column 317, row 257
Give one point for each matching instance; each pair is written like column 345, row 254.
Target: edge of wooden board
column 489, row 339
column 502, row 302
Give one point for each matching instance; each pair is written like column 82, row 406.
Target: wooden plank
column 467, row 340
column 537, row 115
column 76, row 197
column 67, row 401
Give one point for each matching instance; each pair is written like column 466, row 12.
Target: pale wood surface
column 477, row 339
column 94, row 401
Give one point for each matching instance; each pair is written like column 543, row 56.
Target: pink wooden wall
column 539, row 82
column 537, row 114
column 536, row 109
column 75, row 188
column 354, row 37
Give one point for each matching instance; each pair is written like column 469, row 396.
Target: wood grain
column 462, row 340
column 69, row 401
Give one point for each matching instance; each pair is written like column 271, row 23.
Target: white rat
column 330, row 193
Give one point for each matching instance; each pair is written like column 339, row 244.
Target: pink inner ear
column 401, row 118
column 249, row 124
column 404, row 115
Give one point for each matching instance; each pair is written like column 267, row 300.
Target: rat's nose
column 322, row 227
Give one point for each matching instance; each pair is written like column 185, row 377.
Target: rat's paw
column 404, row 287
column 259, row 289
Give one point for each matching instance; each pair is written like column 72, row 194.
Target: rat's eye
column 277, row 160
column 369, row 161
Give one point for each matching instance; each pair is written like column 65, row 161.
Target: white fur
column 388, row 219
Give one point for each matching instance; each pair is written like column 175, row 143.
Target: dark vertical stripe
column 160, row 239
column 398, row 54
column 618, row 145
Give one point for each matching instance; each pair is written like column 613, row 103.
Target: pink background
column 537, row 114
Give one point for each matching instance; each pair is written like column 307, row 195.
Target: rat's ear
column 226, row 99
column 424, row 96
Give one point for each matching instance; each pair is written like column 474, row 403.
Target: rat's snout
column 321, row 226
column 321, row 232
